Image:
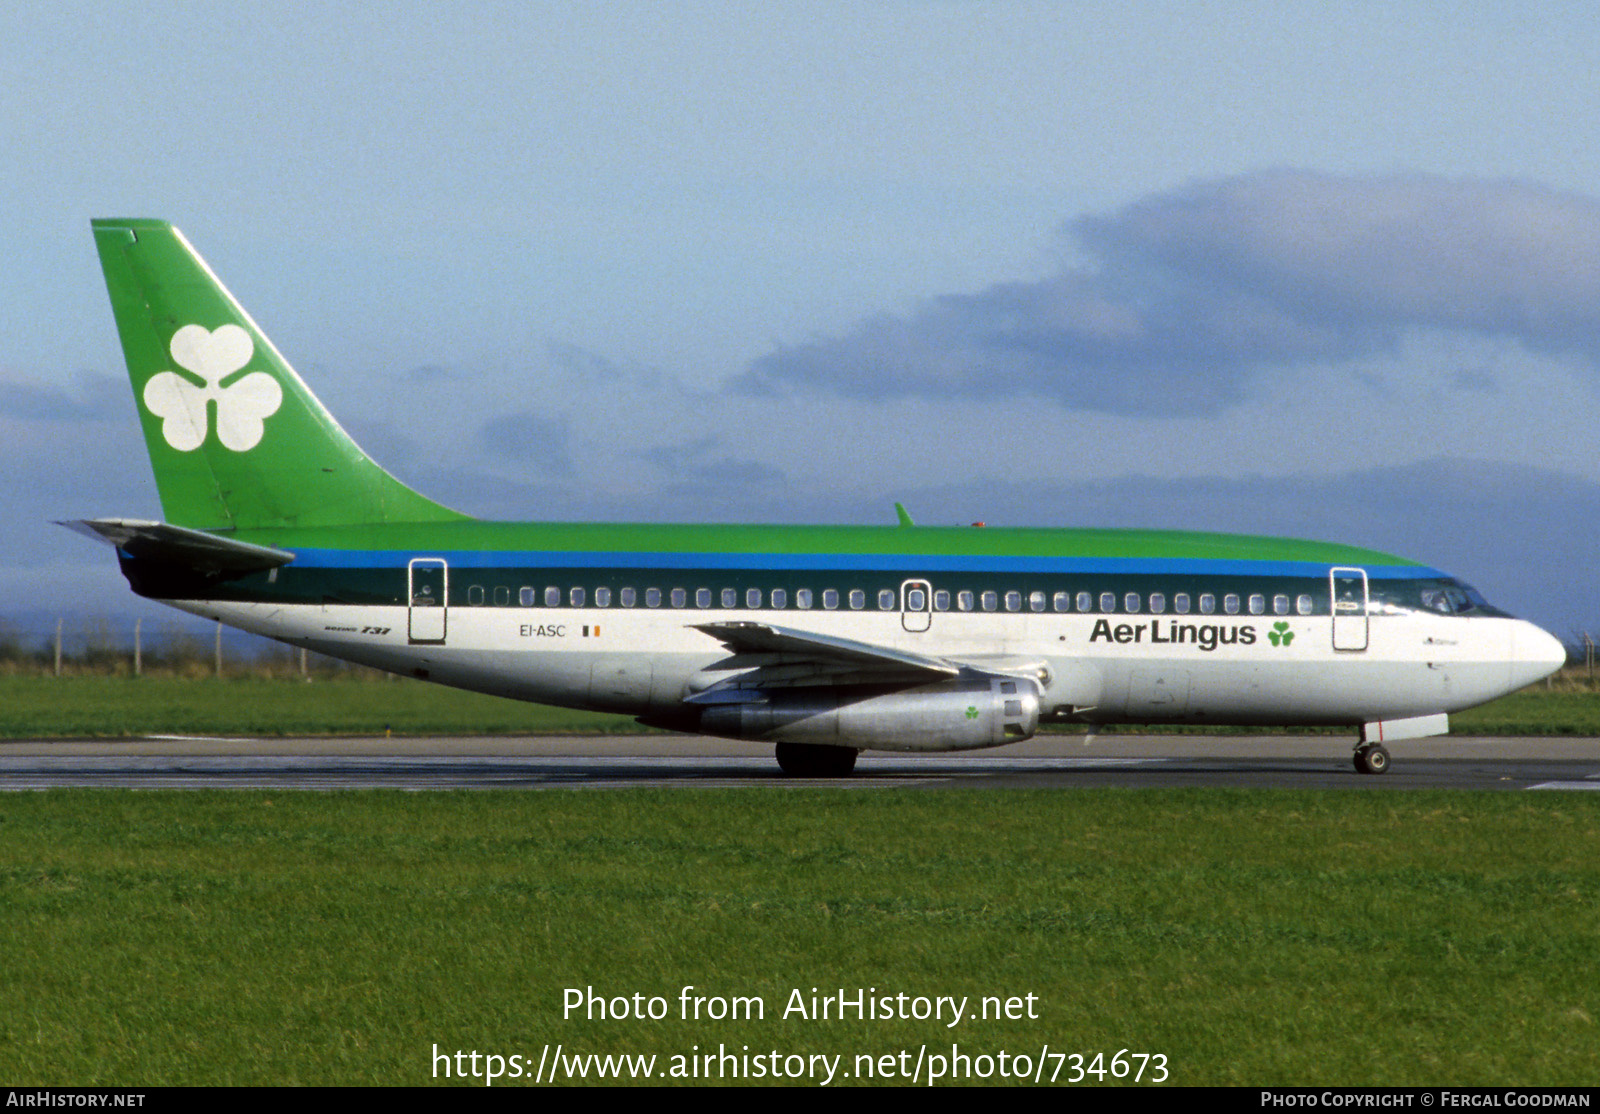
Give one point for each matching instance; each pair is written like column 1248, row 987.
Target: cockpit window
column 1448, row 601
column 1451, row 597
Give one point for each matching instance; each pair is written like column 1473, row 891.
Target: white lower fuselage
column 1091, row 667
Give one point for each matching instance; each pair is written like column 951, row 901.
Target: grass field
column 1249, row 937
column 97, row 706
column 36, row 706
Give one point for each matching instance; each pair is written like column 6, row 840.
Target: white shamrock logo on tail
column 242, row 407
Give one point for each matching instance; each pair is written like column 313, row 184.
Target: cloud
column 97, row 398
column 541, row 441
column 1178, row 303
column 582, row 364
column 696, row 463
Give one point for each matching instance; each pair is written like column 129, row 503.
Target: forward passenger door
column 1348, row 592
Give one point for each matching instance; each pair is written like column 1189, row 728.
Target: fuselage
column 1114, row 626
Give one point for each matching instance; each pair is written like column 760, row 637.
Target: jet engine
column 975, row 710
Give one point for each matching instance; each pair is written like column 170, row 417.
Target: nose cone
column 1535, row 654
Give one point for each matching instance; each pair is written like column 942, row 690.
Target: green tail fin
column 235, row 438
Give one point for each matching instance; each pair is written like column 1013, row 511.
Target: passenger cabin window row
column 887, row 599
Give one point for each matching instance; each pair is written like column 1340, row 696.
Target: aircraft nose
column 1535, row 654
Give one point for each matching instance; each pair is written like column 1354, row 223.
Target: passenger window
column 1130, row 603
column 552, row 597
column 830, row 598
column 941, row 600
column 475, row 595
column 802, row 599
column 1108, row 601
column 990, row 601
column 680, row 596
column 1303, row 604
column 629, row 597
column 1158, row 602
column 1035, row 601
column 730, row 597
column 1280, row 605
column 1208, row 603
column 964, row 601
column 886, row 599
column 652, row 597
column 1180, row 603
column 1230, row 603
column 1061, row 601
column 752, row 598
column 780, row 598
column 577, row 596
column 858, row 599
column 1258, row 603
column 526, row 597
column 1013, row 601
column 702, row 597
column 1085, row 601
column 602, row 597
column 502, row 596
column 916, row 599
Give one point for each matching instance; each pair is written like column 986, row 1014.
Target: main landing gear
column 1371, row 758
column 816, row 760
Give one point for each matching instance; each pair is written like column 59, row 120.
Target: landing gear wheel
column 1371, row 759
column 816, row 760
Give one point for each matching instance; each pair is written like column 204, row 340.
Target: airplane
column 823, row 640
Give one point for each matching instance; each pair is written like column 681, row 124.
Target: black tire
column 816, row 760
column 1372, row 759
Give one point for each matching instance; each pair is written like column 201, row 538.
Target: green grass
column 41, row 706
column 1253, row 937
column 1534, row 711
column 95, row 706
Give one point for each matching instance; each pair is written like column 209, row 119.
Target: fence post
column 138, row 654
column 58, row 647
column 219, row 649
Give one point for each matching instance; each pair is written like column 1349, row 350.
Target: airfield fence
column 99, row 646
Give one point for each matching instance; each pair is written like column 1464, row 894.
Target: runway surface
column 569, row 762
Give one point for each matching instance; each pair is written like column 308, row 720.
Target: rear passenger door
column 427, row 589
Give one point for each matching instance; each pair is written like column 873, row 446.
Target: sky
column 1315, row 270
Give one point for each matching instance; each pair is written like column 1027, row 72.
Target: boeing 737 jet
column 822, row 640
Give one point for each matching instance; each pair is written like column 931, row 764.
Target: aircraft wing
column 780, row 657
column 181, row 546
column 764, row 638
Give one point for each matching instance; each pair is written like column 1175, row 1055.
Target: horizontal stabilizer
column 181, row 546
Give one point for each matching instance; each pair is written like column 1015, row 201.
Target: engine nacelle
column 981, row 710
